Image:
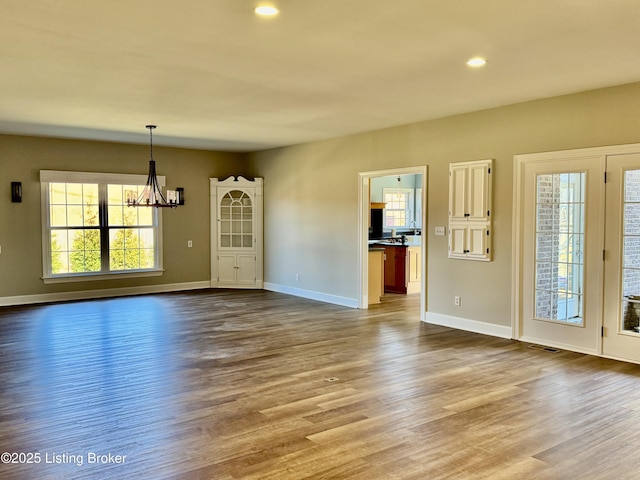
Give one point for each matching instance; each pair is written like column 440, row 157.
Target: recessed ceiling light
column 477, row 62
column 266, row 10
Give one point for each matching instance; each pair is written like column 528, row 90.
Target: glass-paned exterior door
column 236, row 220
column 630, row 309
column 621, row 333
column 560, row 235
column 562, row 225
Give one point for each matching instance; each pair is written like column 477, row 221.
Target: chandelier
column 152, row 195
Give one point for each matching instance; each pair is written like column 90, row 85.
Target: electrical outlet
column 297, row 277
column 189, row 243
column 456, row 301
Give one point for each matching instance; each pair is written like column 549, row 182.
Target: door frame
column 364, row 179
column 517, row 260
column 617, row 343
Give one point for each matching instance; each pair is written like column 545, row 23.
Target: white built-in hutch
column 236, row 232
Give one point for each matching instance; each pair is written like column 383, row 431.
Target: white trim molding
column 493, row 330
column 101, row 293
column 311, row 295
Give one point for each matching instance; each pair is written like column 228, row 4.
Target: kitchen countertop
column 411, row 242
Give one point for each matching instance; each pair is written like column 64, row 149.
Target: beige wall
column 21, row 159
column 311, row 204
column 311, row 197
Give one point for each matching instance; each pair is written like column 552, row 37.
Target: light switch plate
column 440, row 231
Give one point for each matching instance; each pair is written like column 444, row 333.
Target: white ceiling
column 212, row 75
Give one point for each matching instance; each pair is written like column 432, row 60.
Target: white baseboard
column 560, row 346
column 311, row 295
column 468, row 325
column 102, row 293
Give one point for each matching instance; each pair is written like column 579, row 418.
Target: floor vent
column 545, row 349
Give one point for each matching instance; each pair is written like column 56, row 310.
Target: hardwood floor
column 226, row 385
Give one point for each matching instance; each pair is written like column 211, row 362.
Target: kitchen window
column 398, row 211
column 90, row 233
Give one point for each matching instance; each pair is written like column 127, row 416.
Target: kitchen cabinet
column 470, row 185
column 236, row 232
column 395, row 269
column 376, row 274
column 402, row 268
column 414, row 270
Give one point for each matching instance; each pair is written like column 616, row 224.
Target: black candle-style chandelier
column 152, row 195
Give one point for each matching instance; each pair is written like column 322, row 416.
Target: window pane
column 631, row 315
column 91, row 216
column 57, row 193
column 130, row 215
column 147, row 238
column 59, row 240
column 75, row 216
column 544, row 280
column 115, row 194
column 131, row 248
column 630, row 303
column 630, row 282
column 116, row 216
column 632, row 252
column 75, row 251
column 146, row 216
column 59, row 252
column 58, row 216
column 559, row 245
column 74, row 194
column 84, row 254
column 632, row 186
column 545, row 247
column 90, row 193
column 147, row 258
column 546, row 214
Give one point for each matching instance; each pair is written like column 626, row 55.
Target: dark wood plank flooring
column 227, row 385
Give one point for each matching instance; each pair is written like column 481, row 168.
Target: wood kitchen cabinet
column 414, row 269
column 402, row 269
column 395, row 269
column 376, row 275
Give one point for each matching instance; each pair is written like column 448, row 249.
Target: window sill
column 89, row 277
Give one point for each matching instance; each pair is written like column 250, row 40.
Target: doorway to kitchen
column 396, row 222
